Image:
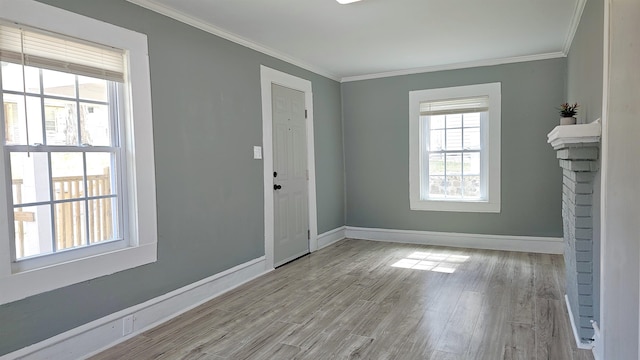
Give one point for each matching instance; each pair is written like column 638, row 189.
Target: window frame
column 138, row 178
column 490, row 149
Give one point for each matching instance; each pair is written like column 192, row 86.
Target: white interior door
column 291, row 219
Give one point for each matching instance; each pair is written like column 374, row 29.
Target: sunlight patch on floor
column 439, row 262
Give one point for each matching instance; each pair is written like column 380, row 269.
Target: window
column 77, row 150
column 455, row 149
column 65, row 182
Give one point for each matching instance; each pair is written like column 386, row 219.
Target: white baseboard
column 331, row 236
column 545, row 245
column 597, row 342
column 98, row 335
column 576, row 335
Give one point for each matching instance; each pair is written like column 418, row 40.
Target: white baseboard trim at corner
column 330, row 237
column 597, row 342
column 96, row 336
column 545, row 245
column 579, row 344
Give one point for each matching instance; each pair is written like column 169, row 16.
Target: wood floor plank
column 353, row 315
column 280, row 351
column 581, row 354
column 520, row 344
column 131, row 348
column 490, row 334
column 546, row 283
column 393, row 331
column 447, row 297
column 559, row 267
column 499, row 288
column 441, row 355
column 262, row 343
column 339, row 344
column 308, row 305
column 352, row 348
column 236, row 334
column 384, row 285
column 479, row 270
column 461, row 325
column 347, row 301
column 305, row 335
column 202, row 356
column 420, row 343
column 553, row 335
column 372, row 320
column 523, row 289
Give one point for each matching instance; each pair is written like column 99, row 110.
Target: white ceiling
column 382, row 37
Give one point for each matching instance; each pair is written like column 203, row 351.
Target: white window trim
column 140, row 178
column 491, row 144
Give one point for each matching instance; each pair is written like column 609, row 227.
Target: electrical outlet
column 127, row 325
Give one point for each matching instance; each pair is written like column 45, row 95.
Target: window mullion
column 55, row 97
column 6, row 172
column 64, row 201
column 484, row 155
column 116, row 115
column 454, row 151
column 9, row 208
column 446, row 177
column 462, row 182
column 86, row 196
column 60, row 148
column 77, row 101
column 425, row 151
column 52, row 206
column 43, row 121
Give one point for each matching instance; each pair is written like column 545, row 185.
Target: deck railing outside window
column 69, row 217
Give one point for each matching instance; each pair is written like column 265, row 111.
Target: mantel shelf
column 563, row 136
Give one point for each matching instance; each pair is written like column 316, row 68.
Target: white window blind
column 32, row 47
column 454, row 106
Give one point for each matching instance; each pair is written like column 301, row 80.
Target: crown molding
column 205, row 26
column 575, row 21
column 464, row 65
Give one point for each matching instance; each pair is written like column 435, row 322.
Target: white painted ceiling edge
column 210, row 28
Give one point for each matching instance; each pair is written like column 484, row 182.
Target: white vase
column 567, row 121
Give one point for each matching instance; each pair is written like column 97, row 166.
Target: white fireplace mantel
column 564, row 136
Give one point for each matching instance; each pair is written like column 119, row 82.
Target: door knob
column 277, row 187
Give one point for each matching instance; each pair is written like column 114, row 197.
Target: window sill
column 456, row 206
column 27, row 283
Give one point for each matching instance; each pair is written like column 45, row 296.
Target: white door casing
column 269, row 77
column 289, row 174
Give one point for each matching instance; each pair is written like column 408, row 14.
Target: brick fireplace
column 578, row 148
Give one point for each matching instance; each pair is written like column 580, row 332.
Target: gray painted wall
column 584, row 63
column 207, row 117
column 376, row 131
column 584, row 86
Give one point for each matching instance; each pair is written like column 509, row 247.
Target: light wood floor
column 370, row 300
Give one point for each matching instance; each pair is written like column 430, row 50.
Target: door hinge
column 305, row 113
column 308, row 234
column 307, row 174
